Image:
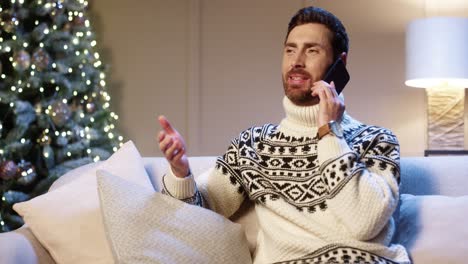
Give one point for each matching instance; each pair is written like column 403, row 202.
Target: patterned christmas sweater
column 317, row 201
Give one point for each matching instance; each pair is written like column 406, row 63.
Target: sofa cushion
column 433, row 228
column 68, row 222
column 144, row 226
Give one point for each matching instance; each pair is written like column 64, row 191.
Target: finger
column 320, row 92
column 161, row 136
column 165, row 124
column 333, row 90
column 328, row 89
column 178, row 155
column 165, row 144
column 172, row 150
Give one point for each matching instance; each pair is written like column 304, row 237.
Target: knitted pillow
column 433, row 228
column 144, row 226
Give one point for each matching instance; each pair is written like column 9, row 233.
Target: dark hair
column 311, row 14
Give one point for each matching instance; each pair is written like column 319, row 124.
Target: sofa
column 431, row 218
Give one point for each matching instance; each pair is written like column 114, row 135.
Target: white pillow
column 433, row 228
column 68, row 221
column 144, row 226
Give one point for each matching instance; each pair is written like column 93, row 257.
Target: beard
column 299, row 95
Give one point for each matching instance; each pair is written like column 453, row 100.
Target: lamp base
column 445, row 128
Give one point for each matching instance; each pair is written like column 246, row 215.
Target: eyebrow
column 306, row 45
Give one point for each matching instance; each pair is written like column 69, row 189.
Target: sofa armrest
column 21, row 246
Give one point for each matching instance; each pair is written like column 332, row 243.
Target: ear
column 344, row 57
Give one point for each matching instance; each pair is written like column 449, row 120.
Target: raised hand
column 331, row 106
column 172, row 145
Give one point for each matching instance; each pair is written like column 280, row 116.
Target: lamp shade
column 437, row 52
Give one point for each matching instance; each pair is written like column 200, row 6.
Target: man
column 324, row 185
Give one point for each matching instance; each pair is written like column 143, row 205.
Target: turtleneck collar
column 300, row 120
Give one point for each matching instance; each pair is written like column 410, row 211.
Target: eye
column 289, row 50
column 312, row 51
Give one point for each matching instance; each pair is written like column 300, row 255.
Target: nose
column 298, row 61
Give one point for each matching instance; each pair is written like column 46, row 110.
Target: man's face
column 307, row 55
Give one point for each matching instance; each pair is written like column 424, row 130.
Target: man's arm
column 213, row 190
column 362, row 185
column 362, row 188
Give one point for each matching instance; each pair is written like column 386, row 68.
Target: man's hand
column 331, row 106
column 172, row 145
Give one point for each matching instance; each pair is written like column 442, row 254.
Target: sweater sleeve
column 217, row 189
column 362, row 183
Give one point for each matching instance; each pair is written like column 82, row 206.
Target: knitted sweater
column 317, row 201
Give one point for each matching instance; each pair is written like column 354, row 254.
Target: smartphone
column 338, row 74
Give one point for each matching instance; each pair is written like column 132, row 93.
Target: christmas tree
column 54, row 107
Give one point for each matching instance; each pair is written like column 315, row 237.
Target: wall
column 213, row 66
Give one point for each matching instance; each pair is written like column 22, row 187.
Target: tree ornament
column 39, row 31
column 60, row 113
column 41, row 59
column 1, row 129
column 26, row 173
column 67, row 27
column 8, row 170
column 79, row 21
column 21, row 60
column 8, row 21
